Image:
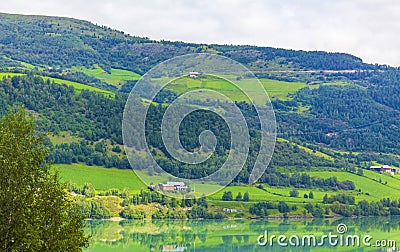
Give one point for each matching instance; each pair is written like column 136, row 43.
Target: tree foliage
column 36, row 213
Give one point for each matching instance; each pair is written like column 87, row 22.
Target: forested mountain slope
column 340, row 120
column 66, row 42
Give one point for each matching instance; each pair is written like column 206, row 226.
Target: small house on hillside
column 194, row 74
column 231, row 210
column 385, row 169
column 173, row 186
column 173, row 248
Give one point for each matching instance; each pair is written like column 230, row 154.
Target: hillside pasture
column 116, row 77
column 368, row 184
column 274, row 88
column 79, row 86
column 101, row 178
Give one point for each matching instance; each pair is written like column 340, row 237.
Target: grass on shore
column 371, row 189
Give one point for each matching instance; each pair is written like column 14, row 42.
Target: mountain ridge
column 64, row 42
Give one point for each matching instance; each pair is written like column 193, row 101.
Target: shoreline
column 295, row 217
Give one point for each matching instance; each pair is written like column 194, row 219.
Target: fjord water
column 231, row 235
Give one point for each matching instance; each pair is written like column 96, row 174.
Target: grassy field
column 101, row 178
column 24, row 64
column 281, row 89
column 79, row 86
column 371, row 189
column 276, row 194
column 63, row 137
column 268, row 194
column 108, row 178
column 6, row 75
column 368, row 184
column 198, row 189
column 275, row 89
column 308, row 150
column 117, row 77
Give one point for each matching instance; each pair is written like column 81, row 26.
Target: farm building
column 173, row 186
column 385, row 169
column 231, row 210
column 194, row 74
column 173, row 248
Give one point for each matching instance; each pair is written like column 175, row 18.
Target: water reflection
column 227, row 235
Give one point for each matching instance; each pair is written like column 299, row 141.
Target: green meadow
column 24, row 64
column 116, row 77
column 101, row 178
column 276, row 194
column 371, row 187
column 106, row 178
column 308, row 150
column 6, row 75
column 281, row 89
column 78, row 86
column 63, row 137
column 274, row 88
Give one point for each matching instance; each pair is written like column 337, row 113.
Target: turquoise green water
column 240, row 235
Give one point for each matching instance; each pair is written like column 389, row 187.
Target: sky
column 369, row 29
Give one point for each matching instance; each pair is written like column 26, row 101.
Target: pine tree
column 227, row 196
column 325, row 199
column 246, row 197
column 239, row 197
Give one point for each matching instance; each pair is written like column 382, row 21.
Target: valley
column 336, row 117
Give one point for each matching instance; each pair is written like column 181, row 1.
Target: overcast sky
column 369, row 29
